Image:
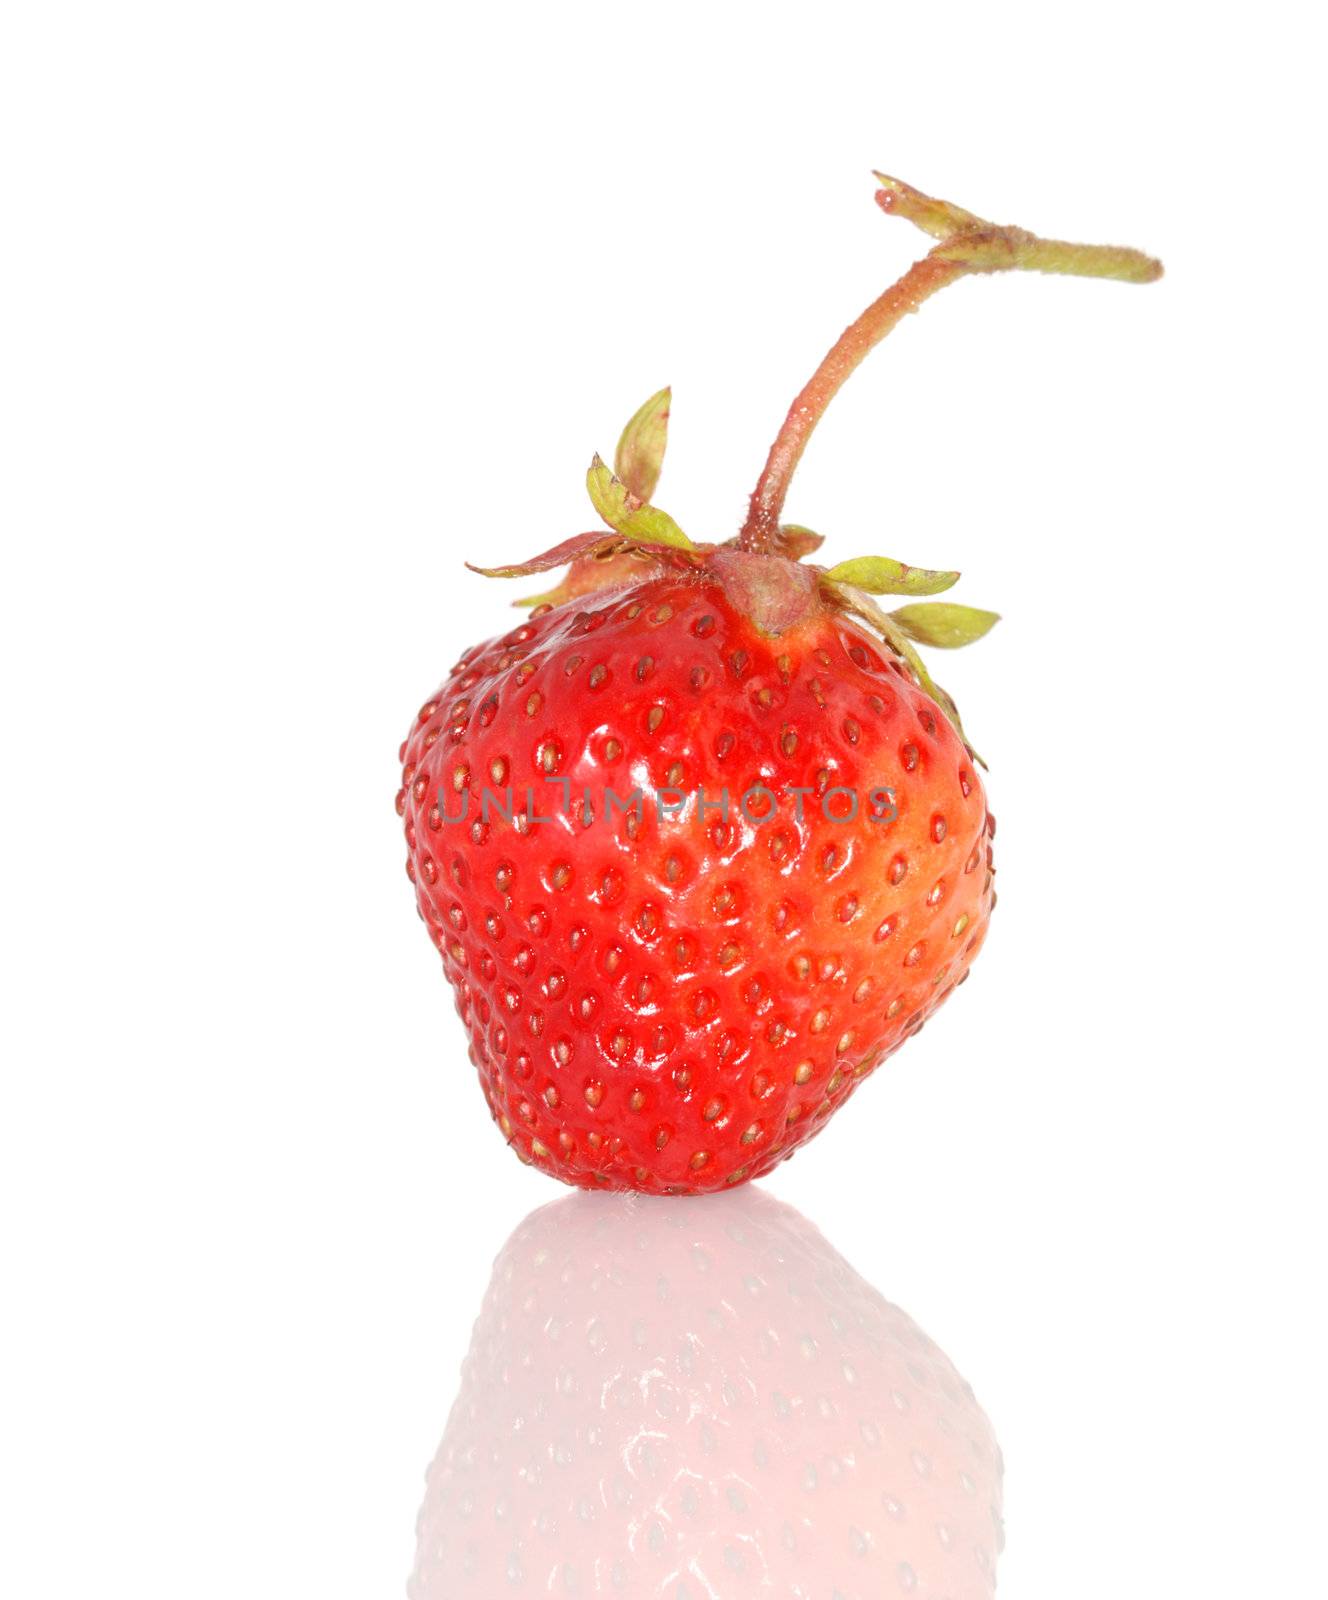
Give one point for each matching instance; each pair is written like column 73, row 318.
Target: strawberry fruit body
column 701, row 842
column 756, row 865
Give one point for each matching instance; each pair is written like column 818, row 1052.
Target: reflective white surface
column 702, row 1400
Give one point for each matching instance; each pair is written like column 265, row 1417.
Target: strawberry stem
column 922, row 280
column 967, row 244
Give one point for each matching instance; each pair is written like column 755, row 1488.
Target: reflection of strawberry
column 703, row 1399
column 673, row 993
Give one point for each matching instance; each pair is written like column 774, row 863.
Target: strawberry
column 701, row 842
column 703, row 1399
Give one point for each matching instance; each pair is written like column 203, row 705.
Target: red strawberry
column 701, row 842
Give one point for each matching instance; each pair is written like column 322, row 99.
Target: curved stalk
column 968, row 244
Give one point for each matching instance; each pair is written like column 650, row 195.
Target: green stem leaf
column 881, row 575
column 943, row 624
column 640, row 453
column 624, row 511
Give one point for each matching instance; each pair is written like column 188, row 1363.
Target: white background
column 303, row 305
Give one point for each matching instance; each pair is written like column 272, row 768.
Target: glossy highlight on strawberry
column 701, row 842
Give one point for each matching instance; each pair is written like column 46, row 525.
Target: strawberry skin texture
column 675, row 1004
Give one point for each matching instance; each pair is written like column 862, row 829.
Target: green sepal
column 945, row 625
column 624, row 512
column 640, row 453
column 881, row 575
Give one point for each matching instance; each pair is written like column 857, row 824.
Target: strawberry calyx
column 640, row 533
column 775, row 593
column 773, row 588
column 761, row 567
column 596, row 561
